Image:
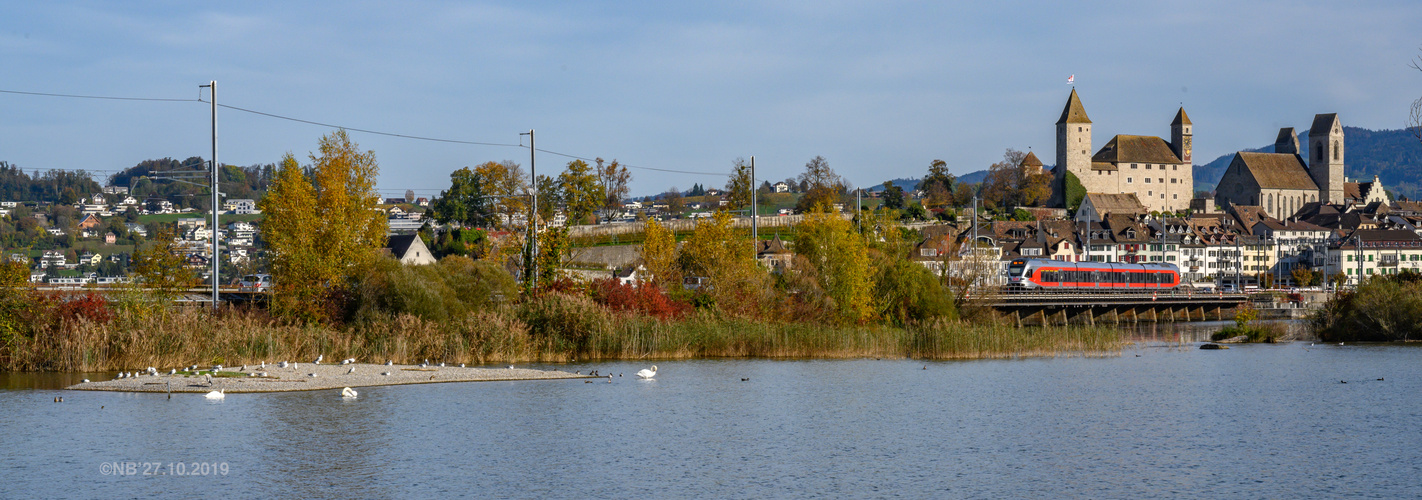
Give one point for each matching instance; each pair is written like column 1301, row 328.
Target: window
column 1172, row 180
column 1335, row 150
column 1133, row 166
column 1149, row 193
column 1128, row 179
column 1175, row 167
column 1147, row 180
column 1162, row 180
column 1174, row 196
column 1147, row 166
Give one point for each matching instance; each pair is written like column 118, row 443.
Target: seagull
column 511, row 367
column 311, row 375
column 87, row 380
column 264, row 374
column 348, row 393
column 645, row 373
column 426, row 364
column 218, row 394
column 152, row 371
column 389, row 362
column 387, row 374
column 461, row 365
column 352, row 370
column 319, row 358
column 282, row 364
column 173, row 372
column 264, row 365
column 294, row 366
column 441, row 365
column 253, row 374
column 209, row 379
column 345, row 362
column 123, row 374
column 217, row 368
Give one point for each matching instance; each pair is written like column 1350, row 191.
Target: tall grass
column 552, row 328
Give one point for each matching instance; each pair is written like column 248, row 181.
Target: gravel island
column 311, row 377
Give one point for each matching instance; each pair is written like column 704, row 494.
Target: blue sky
column 880, row 89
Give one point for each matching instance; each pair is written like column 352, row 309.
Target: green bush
column 906, row 291
column 451, row 288
column 563, row 322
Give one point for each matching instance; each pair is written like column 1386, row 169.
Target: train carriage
column 1048, row 275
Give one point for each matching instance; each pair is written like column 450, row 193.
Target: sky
column 880, row 89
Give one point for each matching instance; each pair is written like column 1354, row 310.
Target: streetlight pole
column 755, row 209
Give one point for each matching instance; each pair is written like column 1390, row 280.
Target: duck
column 648, row 373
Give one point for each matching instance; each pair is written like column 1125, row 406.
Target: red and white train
column 1047, row 275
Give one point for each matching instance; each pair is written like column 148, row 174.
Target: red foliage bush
column 91, row 306
column 646, row 298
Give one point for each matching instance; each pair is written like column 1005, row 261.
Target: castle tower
column 1287, row 142
column 1325, row 157
column 1181, row 138
column 1073, row 146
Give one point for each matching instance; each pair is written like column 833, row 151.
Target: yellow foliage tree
column 659, row 255
column 161, row 268
column 840, row 259
column 319, row 226
column 717, row 251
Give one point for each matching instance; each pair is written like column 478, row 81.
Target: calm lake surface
column 1161, row 420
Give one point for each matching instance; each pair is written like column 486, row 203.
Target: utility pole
column 755, row 210
column 531, row 274
column 216, row 254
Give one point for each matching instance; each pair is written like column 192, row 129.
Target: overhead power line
column 353, row 129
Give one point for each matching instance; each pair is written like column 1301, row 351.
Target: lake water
column 1161, row 420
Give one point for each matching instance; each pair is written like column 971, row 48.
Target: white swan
column 645, row 373
column 348, row 393
column 218, row 394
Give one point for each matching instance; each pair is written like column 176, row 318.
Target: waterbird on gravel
column 173, row 371
column 152, row 371
column 87, row 380
column 352, row 370
column 209, row 379
column 646, row 373
column 319, row 358
column 348, row 393
column 312, row 375
column 389, row 362
column 511, row 367
column 441, row 365
column 218, row 394
column 282, row 364
column 461, row 365
column 387, row 374
column 123, row 375
column 264, row 365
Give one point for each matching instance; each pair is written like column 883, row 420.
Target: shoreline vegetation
column 236, row 336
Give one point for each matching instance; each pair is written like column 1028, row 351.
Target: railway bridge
column 1079, row 307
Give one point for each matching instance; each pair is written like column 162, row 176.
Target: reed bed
column 561, row 328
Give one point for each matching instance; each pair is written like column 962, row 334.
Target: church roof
column 1074, row 112
column 1031, row 160
column 1277, row 170
column 1322, row 123
column 1136, row 149
column 1181, row 118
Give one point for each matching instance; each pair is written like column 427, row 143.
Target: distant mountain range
column 1395, row 156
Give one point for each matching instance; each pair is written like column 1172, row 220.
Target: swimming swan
column 348, row 393
column 218, row 394
column 645, row 373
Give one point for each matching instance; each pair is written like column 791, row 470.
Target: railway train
column 1047, row 275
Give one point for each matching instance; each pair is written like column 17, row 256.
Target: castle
column 1159, row 173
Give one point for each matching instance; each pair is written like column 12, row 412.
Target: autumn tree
column 550, row 195
column 507, row 184
column 820, row 183
column 738, row 188
column 320, row 226
column 938, row 185
column 161, row 267
column 582, row 193
column 718, row 251
column 465, row 203
column 1009, row 183
column 659, row 255
column 613, row 177
column 674, row 202
column 827, row 243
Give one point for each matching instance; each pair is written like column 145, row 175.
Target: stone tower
column 1287, row 142
column 1181, row 138
column 1325, row 157
column 1073, row 146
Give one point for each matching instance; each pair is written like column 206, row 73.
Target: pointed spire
column 1181, row 118
column 1031, row 160
column 1074, row 112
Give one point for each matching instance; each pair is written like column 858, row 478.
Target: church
column 1159, row 173
column 1282, row 182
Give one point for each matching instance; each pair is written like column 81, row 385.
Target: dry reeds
column 557, row 328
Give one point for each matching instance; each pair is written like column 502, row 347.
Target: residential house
column 774, row 254
column 781, row 187
column 409, row 249
column 1365, row 253
column 110, row 238
column 1096, row 206
column 136, row 228
column 241, row 206
column 90, row 221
